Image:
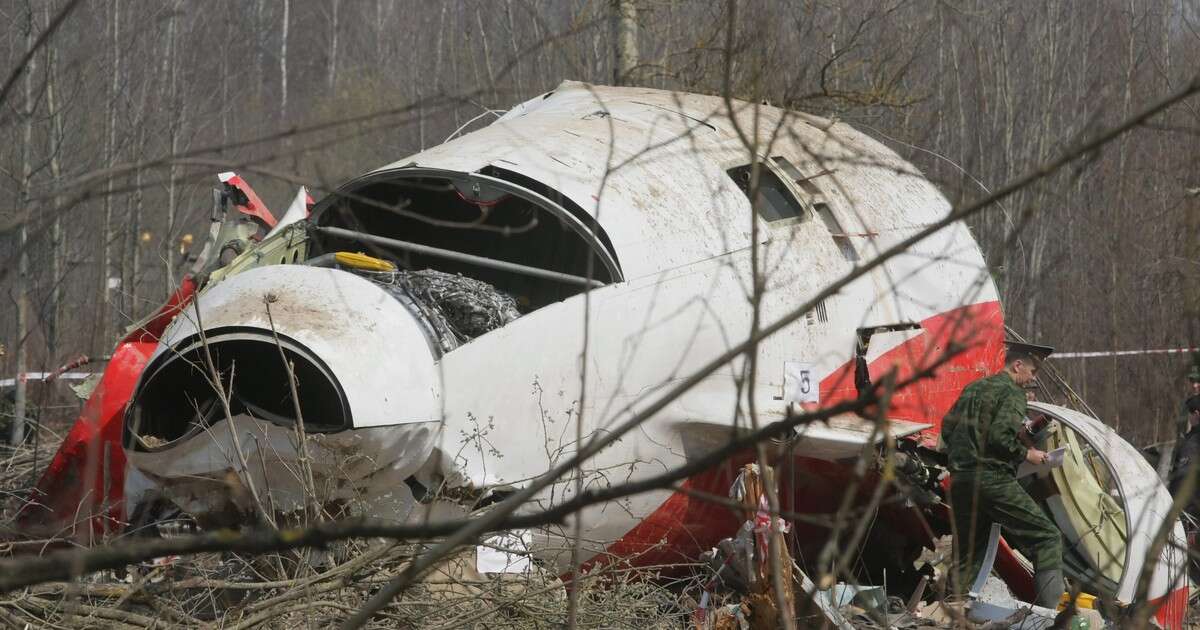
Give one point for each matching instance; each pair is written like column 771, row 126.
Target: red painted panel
column 683, row 525
column 978, row 329
column 75, row 496
column 1172, row 609
column 254, row 206
column 81, row 494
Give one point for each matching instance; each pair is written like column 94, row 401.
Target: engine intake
column 180, row 397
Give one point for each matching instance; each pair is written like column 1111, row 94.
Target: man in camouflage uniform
column 1183, row 425
column 1188, row 455
column 981, row 438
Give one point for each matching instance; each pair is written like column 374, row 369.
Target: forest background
column 111, row 139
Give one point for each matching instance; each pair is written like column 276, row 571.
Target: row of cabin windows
column 778, row 202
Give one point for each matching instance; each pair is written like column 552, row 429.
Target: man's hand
column 1035, row 457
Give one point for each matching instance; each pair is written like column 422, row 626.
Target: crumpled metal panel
column 364, row 467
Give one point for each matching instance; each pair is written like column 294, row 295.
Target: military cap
column 1193, row 376
column 1015, row 348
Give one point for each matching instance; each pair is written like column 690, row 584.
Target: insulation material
column 472, row 307
column 439, row 329
column 454, row 303
column 363, row 469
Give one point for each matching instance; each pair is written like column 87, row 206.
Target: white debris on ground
column 995, row 591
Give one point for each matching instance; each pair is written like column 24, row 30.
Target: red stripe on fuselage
column 1172, row 609
column 683, row 526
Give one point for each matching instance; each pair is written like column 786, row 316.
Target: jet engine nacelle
column 366, row 409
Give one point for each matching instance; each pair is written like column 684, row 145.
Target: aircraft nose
column 358, row 358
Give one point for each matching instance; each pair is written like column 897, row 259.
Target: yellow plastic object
column 1083, row 600
column 362, row 261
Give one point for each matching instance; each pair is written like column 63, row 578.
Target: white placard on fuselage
column 800, row 383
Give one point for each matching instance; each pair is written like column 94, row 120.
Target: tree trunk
column 135, row 221
column 21, row 286
column 437, row 51
column 283, row 42
column 173, row 142
column 487, row 56
column 625, row 31
column 512, row 39
column 106, row 288
column 379, row 31
column 225, row 104
column 53, row 309
column 260, row 48
column 333, row 47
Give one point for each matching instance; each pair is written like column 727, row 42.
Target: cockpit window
column 776, row 203
column 815, row 198
column 487, row 229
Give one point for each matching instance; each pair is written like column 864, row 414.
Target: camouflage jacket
column 980, row 432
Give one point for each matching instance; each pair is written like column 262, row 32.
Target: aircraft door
column 1110, row 505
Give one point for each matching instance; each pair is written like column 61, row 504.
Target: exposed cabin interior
column 495, row 214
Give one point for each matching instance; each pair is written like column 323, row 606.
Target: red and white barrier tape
column 29, row 377
column 1120, row 353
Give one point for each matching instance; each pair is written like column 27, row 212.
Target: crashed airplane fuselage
column 450, row 318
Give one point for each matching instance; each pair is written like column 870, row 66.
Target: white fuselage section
column 651, row 168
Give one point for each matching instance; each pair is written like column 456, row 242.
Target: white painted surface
column 507, row 552
column 844, row 437
column 370, row 342
column 296, row 212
